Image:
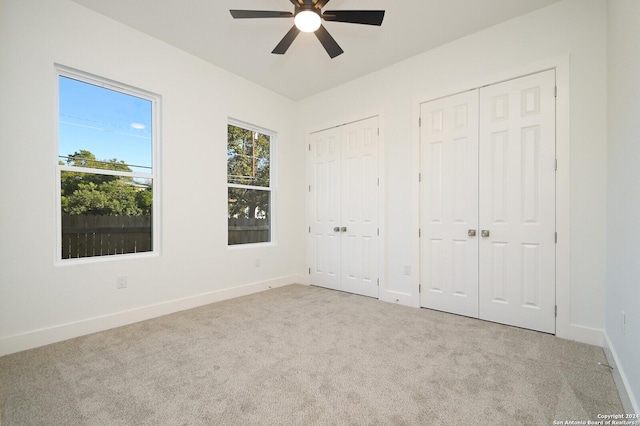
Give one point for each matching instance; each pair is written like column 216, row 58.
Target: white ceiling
column 206, row 29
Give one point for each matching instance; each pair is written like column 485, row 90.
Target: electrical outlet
column 624, row 323
column 121, row 282
column 406, row 269
column 258, row 262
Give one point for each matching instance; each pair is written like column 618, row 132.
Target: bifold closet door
column 487, row 194
column 360, row 205
column 449, row 204
column 345, row 208
column 326, row 197
column 517, row 202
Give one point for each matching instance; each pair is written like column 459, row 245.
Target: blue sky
column 108, row 123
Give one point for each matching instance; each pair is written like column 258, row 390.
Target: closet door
column 517, row 202
column 360, row 207
column 344, row 204
column 449, row 204
column 487, row 212
column 325, row 192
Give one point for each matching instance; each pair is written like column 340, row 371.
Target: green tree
column 85, row 193
column 85, row 158
column 248, row 163
column 71, row 180
column 144, row 199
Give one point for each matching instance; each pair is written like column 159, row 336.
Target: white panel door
column 344, row 208
column 449, row 204
column 360, row 207
column 325, row 208
column 517, row 202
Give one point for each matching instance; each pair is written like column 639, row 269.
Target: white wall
column 573, row 27
column 42, row 302
column 623, row 202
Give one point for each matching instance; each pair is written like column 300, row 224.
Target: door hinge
column 556, row 164
column 309, row 229
column 419, row 121
column 555, row 91
column 419, row 177
column 378, row 232
column 309, row 188
column 378, row 281
column 419, row 232
column 419, row 288
column 309, row 147
column 556, row 311
column 556, row 238
column 309, row 271
column 378, row 181
column 378, row 131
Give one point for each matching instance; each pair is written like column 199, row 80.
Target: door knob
column 485, row 233
column 343, row 229
column 336, row 229
column 471, row 233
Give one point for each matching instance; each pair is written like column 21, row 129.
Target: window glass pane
column 247, row 157
column 104, row 215
column 114, row 127
column 249, row 216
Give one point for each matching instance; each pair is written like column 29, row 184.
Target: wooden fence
column 243, row 231
column 87, row 236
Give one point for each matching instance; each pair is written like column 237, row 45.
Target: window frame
column 154, row 175
column 271, row 188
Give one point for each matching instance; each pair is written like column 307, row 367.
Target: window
column 107, row 176
column 249, row 184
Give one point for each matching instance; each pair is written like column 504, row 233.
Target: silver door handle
column 485, row 233
column 343, row 229
column 336, row 229
column 471, row 232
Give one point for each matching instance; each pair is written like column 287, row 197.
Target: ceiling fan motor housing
column 307, row 19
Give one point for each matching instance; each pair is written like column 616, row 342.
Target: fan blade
column 241, row 14
column 366, row 17
column 286, row 41
column 328, row 42
column 320, row 3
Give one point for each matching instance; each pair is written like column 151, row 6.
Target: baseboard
column 400, row 298
column 580, row 333
column 58, row 333
column 629, row 402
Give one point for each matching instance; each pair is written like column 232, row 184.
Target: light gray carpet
column 306, row 355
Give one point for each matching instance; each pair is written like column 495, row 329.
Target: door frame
column 561, row 64
column 381, row 190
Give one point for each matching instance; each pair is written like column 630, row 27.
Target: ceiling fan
column 308, row 17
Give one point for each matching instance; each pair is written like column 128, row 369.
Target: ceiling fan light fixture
column 308, row 18
column 307, row 21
